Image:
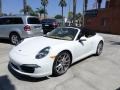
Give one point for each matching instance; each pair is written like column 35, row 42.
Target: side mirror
column 81, row 40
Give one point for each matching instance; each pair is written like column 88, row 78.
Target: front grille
column 27, row 69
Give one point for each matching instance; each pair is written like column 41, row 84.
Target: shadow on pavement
column 118, row 88
column 5, row 83
column 6, row 41
column 24, row 77
column 115, row 43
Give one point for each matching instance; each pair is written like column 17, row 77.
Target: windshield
column 63, row 34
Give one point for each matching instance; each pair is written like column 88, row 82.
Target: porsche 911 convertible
column 53, row 53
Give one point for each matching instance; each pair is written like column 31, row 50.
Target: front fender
column 57, row 49
column 96, row 42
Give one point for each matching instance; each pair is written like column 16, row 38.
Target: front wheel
column 61, row 64
column 15, row 38
column 99, row 48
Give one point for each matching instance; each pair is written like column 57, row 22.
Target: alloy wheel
column 62, row 63
column 99, row 48
column 14, row 39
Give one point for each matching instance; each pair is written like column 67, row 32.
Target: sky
column 14, row 6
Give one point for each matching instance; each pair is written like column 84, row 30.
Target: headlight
column 43, row 53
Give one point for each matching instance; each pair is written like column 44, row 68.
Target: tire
column 61, row 64
column 99, row 48
column 45, row 31
column 15, row 38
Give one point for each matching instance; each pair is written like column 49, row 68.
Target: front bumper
column 40, row 74
column 37, row 68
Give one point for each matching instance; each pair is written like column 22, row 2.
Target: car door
column 82, row 48
column 6, row 27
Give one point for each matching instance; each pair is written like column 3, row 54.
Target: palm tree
column 99, row 3
column 0, row 7
column 74, row 11
column 44, row 4
column 41, row 11
column 25, row 7
column 63, row 4
column 28, row 10
column 70, row 16
column 86, row 4
column 58, row 16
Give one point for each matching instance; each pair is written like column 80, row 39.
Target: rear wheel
column 99, row 48
column 61, row 64
column 14, row 38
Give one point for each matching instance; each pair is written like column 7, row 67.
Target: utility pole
column 0, row 7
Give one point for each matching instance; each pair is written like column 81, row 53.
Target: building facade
column 105, row 20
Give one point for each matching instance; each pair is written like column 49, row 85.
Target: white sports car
column 52, row 54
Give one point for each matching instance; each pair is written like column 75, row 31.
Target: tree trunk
column 86, row 3
column 74, row 11
column 0, row 7
column 83, row 18
column 25, row 7
column 107, row 3
column 40, row 16
column 62, row 17
column 44, row 12
column 99, row 5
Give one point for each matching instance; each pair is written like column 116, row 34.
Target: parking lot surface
column 92, row 73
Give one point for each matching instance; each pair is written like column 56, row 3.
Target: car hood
column 35, row 44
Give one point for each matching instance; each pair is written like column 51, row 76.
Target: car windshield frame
column 68, row 34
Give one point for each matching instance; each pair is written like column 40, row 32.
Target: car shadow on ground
column 24, row 77
column 115, row 43
column 5, row 83
column 31, row 79
column 118, row 88
column 6, row 41
column 76, row 63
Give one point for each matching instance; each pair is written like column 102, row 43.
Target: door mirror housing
column 82, row 39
